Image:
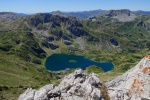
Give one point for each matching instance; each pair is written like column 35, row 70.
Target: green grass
column 94, row 69
column 16, row 73
column 22, row 57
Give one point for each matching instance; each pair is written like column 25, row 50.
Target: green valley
column 27, row 41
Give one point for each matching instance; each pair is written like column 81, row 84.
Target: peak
column 57, row 13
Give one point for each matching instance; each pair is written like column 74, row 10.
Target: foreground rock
column 76, row 86
column 133, row 85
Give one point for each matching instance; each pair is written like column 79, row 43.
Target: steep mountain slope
column 134, row 84
column 104, row 34
column 19, row 64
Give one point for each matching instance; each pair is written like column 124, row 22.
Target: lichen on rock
column 132, row 85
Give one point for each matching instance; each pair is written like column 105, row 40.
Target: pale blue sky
column 35, row 6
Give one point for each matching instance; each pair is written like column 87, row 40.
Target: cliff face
column 76, row 86
column 134, row 84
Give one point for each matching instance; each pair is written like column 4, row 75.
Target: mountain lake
column 58, row 62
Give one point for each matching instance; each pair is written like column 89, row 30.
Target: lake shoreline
column 57, row 62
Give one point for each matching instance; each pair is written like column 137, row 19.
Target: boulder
column 27, row 95
column 42, row 93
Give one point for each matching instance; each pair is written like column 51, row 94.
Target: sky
column 37, row 6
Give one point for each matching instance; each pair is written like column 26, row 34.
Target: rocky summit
column 76, row 86
column 132, row 85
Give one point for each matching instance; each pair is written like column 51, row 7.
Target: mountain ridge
column 8, row 16
column 84, row 14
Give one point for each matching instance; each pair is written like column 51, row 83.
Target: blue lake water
column 57, row 62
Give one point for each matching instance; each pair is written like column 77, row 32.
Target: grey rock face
column 42, row 93
column 76, row 86
column 133, row 85
column 27, row 95
column 9, row 16
column 123, row 15
column 141, row 23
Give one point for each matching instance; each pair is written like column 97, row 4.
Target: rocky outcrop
column 123, row 15
column 133, row 85
column 113, row 41
column 53, row 46
column 67, row 42
column 77, row 32
column 141, row 23
column 9, row 16
column 76, row 86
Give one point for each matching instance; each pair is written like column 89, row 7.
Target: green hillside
column 25, row 43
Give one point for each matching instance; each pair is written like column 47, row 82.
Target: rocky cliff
column 133, row 85
column 76, row 86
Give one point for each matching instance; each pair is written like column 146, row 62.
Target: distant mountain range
column 22, row 14
column 143, row 12
column 86, row 14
